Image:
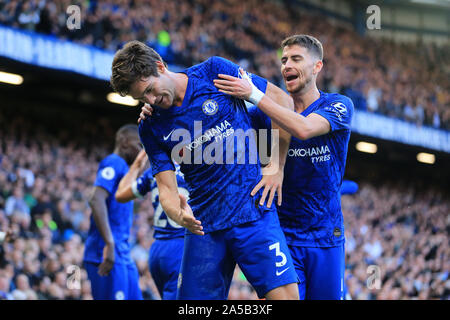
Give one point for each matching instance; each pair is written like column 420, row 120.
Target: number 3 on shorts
column 278, row 253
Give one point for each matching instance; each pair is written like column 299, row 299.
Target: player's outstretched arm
column 124, row 191
column 297, row 125
column 100, row 214
column 174, row 204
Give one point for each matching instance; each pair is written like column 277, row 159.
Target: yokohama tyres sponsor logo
column 218, row 133
column 317, row 154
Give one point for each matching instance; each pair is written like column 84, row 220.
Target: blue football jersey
column 219, row 173
column 165, row 228
column 260, row 121
column 310, row 214
column 120, row 215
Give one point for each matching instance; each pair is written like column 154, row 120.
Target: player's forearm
column 124, row 191
column 295, row 124
column 283, row 100
column 170, row 203
column 100, row 216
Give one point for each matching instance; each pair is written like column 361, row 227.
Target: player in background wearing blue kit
column 310, row 215
column 225, row 224
column 349, row 187
column 111, row 271
column 166, row 251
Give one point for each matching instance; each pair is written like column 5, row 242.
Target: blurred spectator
column 16, row 202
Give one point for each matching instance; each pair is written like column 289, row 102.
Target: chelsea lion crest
column 210, row 107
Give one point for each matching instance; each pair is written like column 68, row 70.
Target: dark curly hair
column 133, row 62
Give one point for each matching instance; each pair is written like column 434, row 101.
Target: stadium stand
column 398, row 80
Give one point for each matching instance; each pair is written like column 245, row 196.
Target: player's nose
column 288, row 64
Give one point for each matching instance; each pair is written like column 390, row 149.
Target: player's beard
column 302, row 84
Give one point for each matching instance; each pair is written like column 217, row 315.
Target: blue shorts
column 321, row 272
column 122, row 283
column 164, row 263
column 258, row 247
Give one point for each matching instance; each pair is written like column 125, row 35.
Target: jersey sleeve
column 159, row 158
column 142, row 185
column 338, row 112
column 219, row 65
column 109, row 172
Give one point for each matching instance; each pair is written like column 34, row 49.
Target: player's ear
column 160, row 66
column 318, row 66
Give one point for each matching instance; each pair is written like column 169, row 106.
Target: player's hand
column 108, row 260
column 272, row 181
column 237, row 87
column 187, row 219
column 146, row 110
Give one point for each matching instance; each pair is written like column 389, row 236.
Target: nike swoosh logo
column 281, row 272
column 167, row 137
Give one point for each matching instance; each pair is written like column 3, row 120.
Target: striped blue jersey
column 220, row 163
column 311, row 214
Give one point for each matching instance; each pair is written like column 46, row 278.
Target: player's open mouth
column 291, row 78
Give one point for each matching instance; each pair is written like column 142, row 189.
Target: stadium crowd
column 47, row 168
column 405, row 81
column 402, row 230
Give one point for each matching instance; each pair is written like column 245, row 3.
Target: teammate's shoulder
column 339, row 102
column 202, row 69
column 113, row 160
column 214, row 59
column 112, row 157
column 112, row 167
column 337, row 97
column 217, row 62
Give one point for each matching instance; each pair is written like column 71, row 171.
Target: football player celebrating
column 225, row 224
column 310, row 214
